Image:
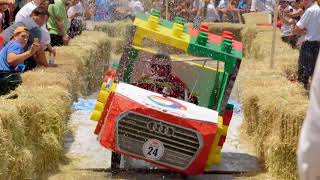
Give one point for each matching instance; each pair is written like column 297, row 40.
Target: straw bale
column 91, row 58
column 44, row 78
column 33, row 118
column 118, row 29
column 253, row 18
column 118, row 45
column 218, row 28
column 274, row 107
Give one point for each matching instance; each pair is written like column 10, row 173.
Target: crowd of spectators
column 29, row 28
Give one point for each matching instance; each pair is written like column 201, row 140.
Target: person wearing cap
column 26, row 11
column 13, row 52
column 38, row 18
column 162, row 80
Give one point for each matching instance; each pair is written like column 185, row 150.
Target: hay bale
column 118, row 45
column 274, row 107
column 218, row 28
column 34, row 123
column 119, row 29
column 91, row 59
column 254, row 18
column 33, row 117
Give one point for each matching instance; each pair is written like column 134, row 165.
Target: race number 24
column 153, row 149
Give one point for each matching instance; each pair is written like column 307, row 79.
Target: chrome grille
column 180, row 147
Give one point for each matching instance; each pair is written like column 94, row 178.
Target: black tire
column 115, row 161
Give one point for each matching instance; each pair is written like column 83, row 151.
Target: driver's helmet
column 160, row 59
column 161, row 65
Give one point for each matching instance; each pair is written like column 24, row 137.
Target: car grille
column 180, row 146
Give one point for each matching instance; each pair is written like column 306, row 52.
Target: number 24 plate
column 153, row 149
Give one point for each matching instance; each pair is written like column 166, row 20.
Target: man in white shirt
column 309, row 142
column 26, row 10
column 309, row 26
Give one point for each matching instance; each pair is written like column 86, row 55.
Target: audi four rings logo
column 160, row 128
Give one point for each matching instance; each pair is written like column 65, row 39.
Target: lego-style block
column 103, row 96
column 95, row 115
column 216, row 147
column 152, row 29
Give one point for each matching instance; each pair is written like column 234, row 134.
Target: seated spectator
column 13, row 52
column 26, row 11
column 75, row 16
column 38, row 18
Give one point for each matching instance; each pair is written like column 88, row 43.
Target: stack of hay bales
column 33, row 118
column 274, row 107
column 117, row 32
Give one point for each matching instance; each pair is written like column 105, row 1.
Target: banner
column 102, row 10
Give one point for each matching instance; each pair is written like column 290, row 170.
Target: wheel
column 115, row 161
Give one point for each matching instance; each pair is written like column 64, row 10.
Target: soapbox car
column 186, row 137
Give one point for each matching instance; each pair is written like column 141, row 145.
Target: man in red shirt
column 163, row 81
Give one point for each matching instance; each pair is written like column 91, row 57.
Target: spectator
column 183, row 10
column 75, row 16
column 26, row 11
column 309, row 142
column 197, row 8
column 2, row 16
column 6, row 2
column 136, row 7
column 212, row 13
column 38, row 18
column 242, row 5
column 295, row 15
column 58, row 23
column 287, row 23
column 308, row 26
column 263, row 6
column 13, row 53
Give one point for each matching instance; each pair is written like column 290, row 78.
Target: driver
column 163, row 81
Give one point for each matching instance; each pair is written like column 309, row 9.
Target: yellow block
column 172, row 37
column 95, row 115
column 103, row 96
column 103, row 86
column 99, row 106
column 215, row 151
